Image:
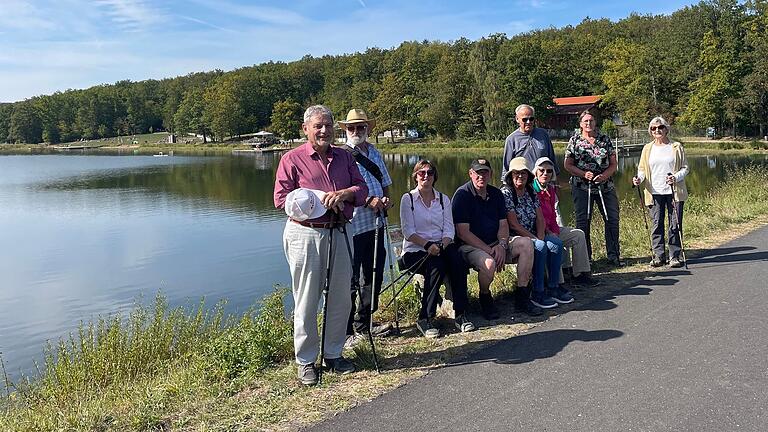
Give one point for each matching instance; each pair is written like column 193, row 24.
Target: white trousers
column 306, row 250
column 575, row 254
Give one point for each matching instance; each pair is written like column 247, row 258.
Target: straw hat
column 356, row 116
column 517, row 164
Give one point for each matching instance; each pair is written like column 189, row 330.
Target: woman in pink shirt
column 427, row 224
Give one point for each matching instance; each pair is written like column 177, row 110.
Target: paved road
column 680, row 350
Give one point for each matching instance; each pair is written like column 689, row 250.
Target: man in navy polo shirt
column 480, row 216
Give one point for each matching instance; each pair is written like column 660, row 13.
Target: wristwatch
column 504, row 244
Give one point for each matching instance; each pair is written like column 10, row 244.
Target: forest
column 705, row 65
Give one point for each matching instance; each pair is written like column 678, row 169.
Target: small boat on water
column 161, row 154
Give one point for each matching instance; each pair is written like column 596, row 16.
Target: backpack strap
column 368, row 164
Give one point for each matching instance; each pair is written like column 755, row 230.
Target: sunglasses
column 354, row 128
column 527, row 119
column 546, row 171
column 519, row 173
column 659, row 127
column 425, row 173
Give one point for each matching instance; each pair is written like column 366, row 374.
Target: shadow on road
column 535, row 346
column 724, row 256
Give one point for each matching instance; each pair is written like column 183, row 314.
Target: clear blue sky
column 50, row 45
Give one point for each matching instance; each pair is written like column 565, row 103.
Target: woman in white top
column 663, row 167
column 427, row 223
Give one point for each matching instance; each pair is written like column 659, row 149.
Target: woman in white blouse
column 428, row 231
column 663, row 167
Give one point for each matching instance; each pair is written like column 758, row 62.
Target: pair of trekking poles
column 604, row 213
column 678, row 222
column 327, row 284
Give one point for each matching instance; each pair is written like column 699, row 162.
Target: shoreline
column 182, row 393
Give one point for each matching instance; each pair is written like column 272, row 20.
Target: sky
column 55, row 45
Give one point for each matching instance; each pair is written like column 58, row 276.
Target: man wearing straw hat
column 367, row 224
column 318, row 185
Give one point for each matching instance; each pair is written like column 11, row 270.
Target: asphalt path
column 681, row 350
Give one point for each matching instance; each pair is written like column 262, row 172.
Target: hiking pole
column 373, row 288
column 607, row 227
column 589, row 202
column 645, row 219
column 412, row 270
column 679, row 223
column 343, row 229
column 326, row 288
column 391, row 269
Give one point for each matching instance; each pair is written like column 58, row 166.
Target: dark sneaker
column 657, row 262
column 427, row 329
column 531, row 309
column 543, row 301
column 308, row 374
column 616, row 262
column 585, row 279
column 561, row 295
column 675, row 263
column 463, row 324
column 488, row 309
column 339, row 365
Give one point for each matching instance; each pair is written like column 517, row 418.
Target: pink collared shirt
column 431, row 223
column 303, row 167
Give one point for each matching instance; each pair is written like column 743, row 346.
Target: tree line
column 705, row 65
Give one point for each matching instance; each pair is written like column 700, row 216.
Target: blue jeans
column 547, row 257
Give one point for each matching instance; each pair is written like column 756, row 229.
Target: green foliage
column 286, row 119
column 129, row 373
column 255, row 342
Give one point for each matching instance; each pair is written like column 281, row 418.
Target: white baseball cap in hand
column 302, row 204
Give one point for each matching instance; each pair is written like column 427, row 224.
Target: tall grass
column 133, row 370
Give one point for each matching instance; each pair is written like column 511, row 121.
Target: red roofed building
column 565, row 111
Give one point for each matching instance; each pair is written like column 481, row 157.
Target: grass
column 159, row 368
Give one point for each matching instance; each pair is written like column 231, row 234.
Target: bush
column 255, row 342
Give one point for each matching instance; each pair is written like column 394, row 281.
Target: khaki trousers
column 306, row 250
column 576, row 254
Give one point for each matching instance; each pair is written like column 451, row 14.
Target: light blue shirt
column 364, row 219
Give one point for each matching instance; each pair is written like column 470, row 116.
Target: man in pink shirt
column 332, row 172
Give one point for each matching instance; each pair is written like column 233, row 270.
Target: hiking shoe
column 339, row 365
column 543, row 301
column 657, row 262
column 675, row 263
column 427, row 329
column 488, row 309
column 585, row 279
column 463, row 324
column 561, row 295
column 381, row 330
column 354, row 340
column 308, row 374
column 616, row 262
column 531, row 309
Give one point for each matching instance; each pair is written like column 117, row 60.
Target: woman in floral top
column 591, row 159
column 526, row 220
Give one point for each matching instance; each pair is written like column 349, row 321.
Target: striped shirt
column 365, row 218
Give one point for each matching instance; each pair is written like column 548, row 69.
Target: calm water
column 88, row 235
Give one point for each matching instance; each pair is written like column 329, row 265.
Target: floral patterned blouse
column 525, row 210
column 590, row 157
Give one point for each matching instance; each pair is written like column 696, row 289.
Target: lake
column 83, row 235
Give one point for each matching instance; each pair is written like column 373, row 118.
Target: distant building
column 564, row 112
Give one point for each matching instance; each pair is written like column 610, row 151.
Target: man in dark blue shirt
column 480, row 215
